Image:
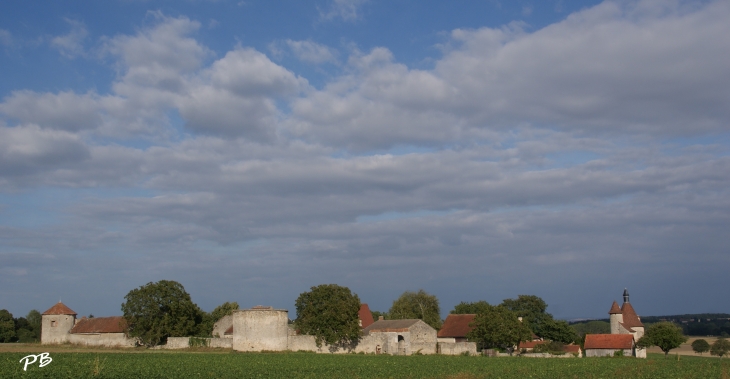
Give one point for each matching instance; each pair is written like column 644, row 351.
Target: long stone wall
column 184, row 342
column 457, row 348
column 102, row 339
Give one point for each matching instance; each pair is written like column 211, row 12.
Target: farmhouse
column 603, row 345
column 59, row 325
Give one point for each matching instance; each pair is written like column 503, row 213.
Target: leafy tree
column 420, row 305
column 532, row 309
column 592, row 327
column 159, row 310
column 560, row 331
column 700, row 346
column 7, row 326
column 720, row 347
column 498, row 327
column 330, row 313
column 665, row 335
column 34, row 322
column 471, row 308
column 209, row 319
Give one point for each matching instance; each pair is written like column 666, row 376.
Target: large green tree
column 720, row 347
column 499, row 327
column 420, row 305
column 591, row 327
column 329, row 312
column 471, row 308
column 700, row 346
column 560, row 331
column 533, row 311
column 665, row 335
column 159, row 310
column 7, row 326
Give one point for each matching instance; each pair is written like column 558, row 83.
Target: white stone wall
column 368, row 344
column 102, row 339
column 58, row 333
column 606, row 352
column 184, row 343
column 423, row 339
column 260, row 330
column 457, row 348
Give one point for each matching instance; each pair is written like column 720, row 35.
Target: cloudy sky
column 476, row 149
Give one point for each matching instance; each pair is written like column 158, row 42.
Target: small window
column 53, row 324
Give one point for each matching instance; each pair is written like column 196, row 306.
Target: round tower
column 616, row 317
column 56, row 323
column 260, row 328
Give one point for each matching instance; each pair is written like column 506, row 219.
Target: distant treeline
column 698, row 324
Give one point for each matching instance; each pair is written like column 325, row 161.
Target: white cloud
column 63, row 110
column 247, row 72
column 312, row 52
column 347, row 10
column 71, row 44
column 29, row 149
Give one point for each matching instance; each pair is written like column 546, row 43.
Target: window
column 53, row 323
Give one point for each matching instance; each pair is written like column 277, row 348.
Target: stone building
column 60, row 325
column 452, row 338
column 624, row 322
column 402, row 337
column 606, row 345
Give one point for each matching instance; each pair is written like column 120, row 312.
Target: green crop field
column 306, row 365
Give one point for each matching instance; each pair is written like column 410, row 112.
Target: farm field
column 686, row 348
column 201, row 364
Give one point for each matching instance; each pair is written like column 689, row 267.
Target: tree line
column 21, row 329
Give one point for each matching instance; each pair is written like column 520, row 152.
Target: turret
column 56, row 322
column 616, row 317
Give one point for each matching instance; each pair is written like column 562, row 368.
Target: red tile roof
column 609, row 341
column 456, row 326
column 114, row 324
column 59, row 309
column 614, row 308
column 630, row 318
column 229, row 330
column 572, row 349
column 366, row 317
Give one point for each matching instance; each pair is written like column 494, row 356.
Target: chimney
column 380, row 318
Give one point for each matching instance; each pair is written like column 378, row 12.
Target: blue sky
column 474, row 149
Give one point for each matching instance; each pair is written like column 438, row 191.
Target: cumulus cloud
column 29, row 149
column 640, row 68
column 311, row 52
column 71, row 45
column 63, row 110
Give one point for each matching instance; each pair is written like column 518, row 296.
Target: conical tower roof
column 631, row 319
column 614, row 308
column 59, row 309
